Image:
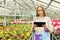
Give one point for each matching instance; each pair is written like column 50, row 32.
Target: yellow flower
column 26, row 29
column 7, row 32
column 28, row 25
column 0, row 35
column 14, row 31
column 16, row 28
column 1, row 31
column 28, row 34
column 9, row 39
column 11, row 32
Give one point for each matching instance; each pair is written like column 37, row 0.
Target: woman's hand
column 46, row 28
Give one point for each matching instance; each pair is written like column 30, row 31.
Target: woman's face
column 40, row 11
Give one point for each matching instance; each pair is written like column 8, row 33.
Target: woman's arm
column 33, row 29
column 49, row 26
column 46, row 29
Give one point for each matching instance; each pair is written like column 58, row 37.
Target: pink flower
column 55, row 32
column 58, row 30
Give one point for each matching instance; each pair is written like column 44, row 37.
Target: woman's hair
column 42, row 9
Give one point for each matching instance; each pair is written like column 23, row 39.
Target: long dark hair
column 37, row 11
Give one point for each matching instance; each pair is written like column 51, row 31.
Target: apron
column 40, row 33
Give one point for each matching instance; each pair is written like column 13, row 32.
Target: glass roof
column 56, row 5
column 28, row 7
column 57, row 0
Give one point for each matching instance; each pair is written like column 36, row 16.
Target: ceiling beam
column 56, row 1
column 49, row 4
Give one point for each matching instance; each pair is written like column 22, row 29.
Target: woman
column 42, row 33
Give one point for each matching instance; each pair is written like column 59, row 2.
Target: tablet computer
column 39, row 24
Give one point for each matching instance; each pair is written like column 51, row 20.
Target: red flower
column 54, row 22
column 20, row 36
column 14, row 22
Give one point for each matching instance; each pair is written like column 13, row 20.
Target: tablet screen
column 39, row 24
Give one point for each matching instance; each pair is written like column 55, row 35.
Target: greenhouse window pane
column 55, row 4
column 45, row 1
column 28, row 3
column 10, row 5
column 39, row 3
column 1, row 2
column 23, row 4
column 1, row 11
column 18, row 0
column 50, row 11
column 57, row 0
column 54, row 8
column 9, row 0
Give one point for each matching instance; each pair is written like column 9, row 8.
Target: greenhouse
column 16, row 18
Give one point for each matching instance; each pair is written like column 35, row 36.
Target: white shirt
column 45, row 19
